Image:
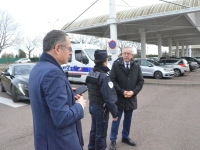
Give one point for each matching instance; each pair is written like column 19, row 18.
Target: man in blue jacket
column 56, row 111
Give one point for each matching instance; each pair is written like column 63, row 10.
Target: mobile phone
column 80, row 90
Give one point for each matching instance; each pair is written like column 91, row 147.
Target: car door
column 146, row 67
column 3, row 78
column 80, row 66
column 6, row 80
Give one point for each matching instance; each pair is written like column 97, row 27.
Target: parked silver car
column 180, row 66
column 23, row 60
column 154, row 70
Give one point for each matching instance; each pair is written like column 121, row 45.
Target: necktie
column 127, row 68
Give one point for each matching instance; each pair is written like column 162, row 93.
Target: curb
column 173, row 84
column 178, row 84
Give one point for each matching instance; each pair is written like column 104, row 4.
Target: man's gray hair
column 52, row 38
column 128, row 48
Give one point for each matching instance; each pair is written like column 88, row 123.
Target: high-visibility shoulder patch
column 110, row 84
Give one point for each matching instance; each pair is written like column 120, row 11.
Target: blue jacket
column 56, row 116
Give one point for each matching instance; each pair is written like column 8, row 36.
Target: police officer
column 102, row 99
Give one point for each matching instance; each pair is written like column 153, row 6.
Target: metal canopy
column 166, row 19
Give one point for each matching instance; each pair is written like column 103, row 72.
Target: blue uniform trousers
column 126, row 125
column 98, row 132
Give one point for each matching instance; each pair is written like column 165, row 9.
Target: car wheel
column 158, row 75
column 14, row 95
column 2, row 88
column 177, row 72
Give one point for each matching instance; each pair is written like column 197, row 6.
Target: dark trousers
column 126, row 125
column 98, row 132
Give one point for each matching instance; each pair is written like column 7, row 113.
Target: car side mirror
column 6, row 73
column 150, row 65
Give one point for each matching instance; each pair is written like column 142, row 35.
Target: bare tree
column 21, row 54
column 122, row 44
column 9, row 30
column 137, row 46
column 4, row 55
column 77, row 38
column 103, row 43
column 30, row 44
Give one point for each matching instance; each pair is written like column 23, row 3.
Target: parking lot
column 167, row 118
column 189, row 79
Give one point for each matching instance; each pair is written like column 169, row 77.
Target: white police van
column 81, row 62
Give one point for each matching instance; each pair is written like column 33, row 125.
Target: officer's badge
column 110, row 84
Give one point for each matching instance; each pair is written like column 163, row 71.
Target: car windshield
column 90, row 53
column 23, row 69
column 154, row 62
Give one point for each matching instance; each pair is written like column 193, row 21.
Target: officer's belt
column 97, row 102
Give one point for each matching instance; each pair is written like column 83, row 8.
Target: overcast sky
column 40, row 16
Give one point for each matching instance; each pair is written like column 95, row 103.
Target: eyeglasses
column 127, row 54
column 69, row 48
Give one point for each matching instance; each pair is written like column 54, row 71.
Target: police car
column 81, row 62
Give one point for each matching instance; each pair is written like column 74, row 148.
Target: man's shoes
column 128, row 141
column 113, row 145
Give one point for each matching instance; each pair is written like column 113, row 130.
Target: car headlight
column 22, row 85
column 166, row 69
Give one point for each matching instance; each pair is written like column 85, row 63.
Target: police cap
column 100, row 54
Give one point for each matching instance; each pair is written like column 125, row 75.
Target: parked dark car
column 197, row 58
column 191, row 59
column 175, row 57
column 14, row 80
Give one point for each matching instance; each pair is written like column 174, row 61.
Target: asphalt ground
column 167, row 118
column 188, row 79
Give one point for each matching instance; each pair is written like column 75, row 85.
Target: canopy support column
column 143, row 42
column 177, row 48
column 182, row 51
column 190, row 51
column 159, row 45
column 170, row 46
column 113, row 27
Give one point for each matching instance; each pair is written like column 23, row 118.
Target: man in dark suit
column 56, row 111
column 128, row 81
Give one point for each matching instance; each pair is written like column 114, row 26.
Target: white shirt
column 127, row 63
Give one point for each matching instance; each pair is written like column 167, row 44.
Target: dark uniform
column 102, row 97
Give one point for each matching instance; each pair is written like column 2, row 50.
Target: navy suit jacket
column 56, row 116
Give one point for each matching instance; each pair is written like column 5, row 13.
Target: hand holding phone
column 80, row 90
column 81, row 101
